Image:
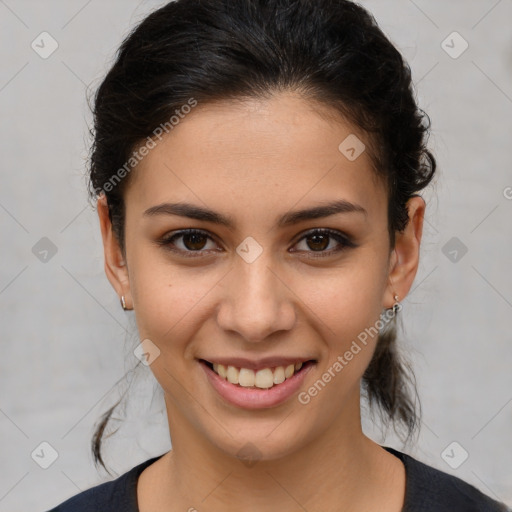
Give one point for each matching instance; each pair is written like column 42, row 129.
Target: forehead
column 259, row 156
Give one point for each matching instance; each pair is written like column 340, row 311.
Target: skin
column 255, row 161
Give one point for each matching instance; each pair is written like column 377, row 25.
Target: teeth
column 279, row 375
column 263, row 379
column 232, row 374
column 246, row 378
column 221, row 370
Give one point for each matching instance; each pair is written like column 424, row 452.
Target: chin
column 264, row 441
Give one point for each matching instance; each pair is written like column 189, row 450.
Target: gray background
column 65, row 340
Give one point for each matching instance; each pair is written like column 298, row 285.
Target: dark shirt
column 427, row 490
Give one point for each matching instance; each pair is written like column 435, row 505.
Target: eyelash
column 345, row 243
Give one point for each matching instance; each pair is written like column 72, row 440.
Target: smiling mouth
column 264, row 378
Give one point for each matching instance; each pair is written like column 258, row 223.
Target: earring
column 397, row 306
column 123, row 303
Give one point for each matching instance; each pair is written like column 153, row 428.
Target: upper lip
column 257, row 364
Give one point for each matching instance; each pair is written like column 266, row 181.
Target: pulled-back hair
column 330, row 51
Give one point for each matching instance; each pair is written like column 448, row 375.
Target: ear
column 405, row 256
column 115, row 265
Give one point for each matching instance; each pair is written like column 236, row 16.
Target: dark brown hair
column 330, row 51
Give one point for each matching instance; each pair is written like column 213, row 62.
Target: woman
column 258, row 167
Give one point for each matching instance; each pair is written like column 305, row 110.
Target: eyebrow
column 205, row 214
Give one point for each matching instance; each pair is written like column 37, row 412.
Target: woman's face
column 262, row 292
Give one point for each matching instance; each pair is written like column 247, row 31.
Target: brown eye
column 190, row 242
column 318, row 242
column 194, row 241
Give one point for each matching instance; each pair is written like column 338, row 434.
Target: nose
column 257, row 301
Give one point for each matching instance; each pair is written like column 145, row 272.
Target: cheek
column 346, row 300
column 347, row 303
column 169, row 301
column 348, row 312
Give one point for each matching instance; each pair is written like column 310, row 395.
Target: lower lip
column 255, row 398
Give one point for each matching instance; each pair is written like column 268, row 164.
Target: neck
column 341, row 469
